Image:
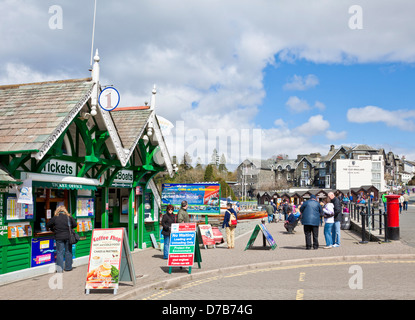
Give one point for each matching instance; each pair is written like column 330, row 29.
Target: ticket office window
column 48, row 199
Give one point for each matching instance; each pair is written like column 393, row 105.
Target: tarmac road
column 330, row 280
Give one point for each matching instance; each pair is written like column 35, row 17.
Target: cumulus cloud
column 301, row 83
column 297, row 105
column 402, row 119
column 314, row 126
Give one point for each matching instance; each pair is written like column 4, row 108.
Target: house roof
column 30, row 113
column 130, row 123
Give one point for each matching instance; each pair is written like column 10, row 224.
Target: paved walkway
column 152, row 272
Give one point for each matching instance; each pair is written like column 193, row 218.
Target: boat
column 244, row 215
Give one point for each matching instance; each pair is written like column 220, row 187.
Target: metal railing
column 371, row 217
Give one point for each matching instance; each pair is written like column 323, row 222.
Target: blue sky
column 249, row 78
column 340, row 87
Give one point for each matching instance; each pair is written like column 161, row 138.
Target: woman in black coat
column 166, row 222
column 60, row 224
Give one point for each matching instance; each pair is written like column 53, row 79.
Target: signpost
column 110, row 260
column 184, row 249
column 266, row 237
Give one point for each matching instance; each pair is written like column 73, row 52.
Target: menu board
column 104, row 259
column 182, row 245
column 110, row 260
column 85, row 207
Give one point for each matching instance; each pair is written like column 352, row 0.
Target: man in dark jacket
column 311, row 212
column 337, row 219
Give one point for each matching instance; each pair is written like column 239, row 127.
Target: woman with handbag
column 230, row 221
column 61, row 224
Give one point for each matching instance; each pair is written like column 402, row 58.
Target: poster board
column 184, row 249
column 202, row 199
column 266, row 236
column 110, row 260
column 207, row 235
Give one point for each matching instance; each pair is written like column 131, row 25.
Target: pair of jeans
column 308, row 230
column 336, row 233
column 63, row 250
column 328, row 233
column 166, row 247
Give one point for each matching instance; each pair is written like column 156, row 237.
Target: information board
column 184, row 248
column 201, row 198
column 109, row 260
column 267, row 236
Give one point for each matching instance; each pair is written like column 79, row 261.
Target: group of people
column 183, row 217
column 311, row 213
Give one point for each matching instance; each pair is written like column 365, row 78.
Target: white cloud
column 297, row 105
column 332, row 135
column 314, row 126
column 401, row 119
column 302, row 83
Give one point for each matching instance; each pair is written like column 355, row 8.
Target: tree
column 208, row 173
column 186, row 163
column 222, row 164
column 215, row 158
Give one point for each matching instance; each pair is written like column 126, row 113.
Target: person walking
column 337, row 219
column 270, row 211
column 311, row 211
column 328, row 211
column 182, row 215
column 60, row 224
column 166, row 222
column 405, row 201
column 230, row 215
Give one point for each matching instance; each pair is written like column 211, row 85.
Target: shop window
column 47, row 200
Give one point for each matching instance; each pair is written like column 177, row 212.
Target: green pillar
column 141, row 217
column 131, row 219
column 104, row 214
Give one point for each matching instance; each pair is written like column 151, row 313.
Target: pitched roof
column 30, row 113
column 130, row 123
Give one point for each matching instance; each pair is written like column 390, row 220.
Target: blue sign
column 182, row 239
column 43, row 251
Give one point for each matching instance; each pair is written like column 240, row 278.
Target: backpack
column 232, row 220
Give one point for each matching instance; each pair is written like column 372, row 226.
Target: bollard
column 392, row 204
column 363, row 227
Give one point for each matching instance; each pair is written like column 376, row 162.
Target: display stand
column 266, row 237
column 110, row 260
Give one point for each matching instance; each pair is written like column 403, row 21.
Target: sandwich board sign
column 207, row 235
column 265, row 234
column 184, row 248
column 110, row 260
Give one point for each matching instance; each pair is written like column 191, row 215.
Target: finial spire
column 95, row 79
column 153, row 98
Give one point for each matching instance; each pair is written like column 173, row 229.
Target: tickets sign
column 182, row 245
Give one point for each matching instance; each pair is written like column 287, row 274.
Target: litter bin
column 345, row 223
